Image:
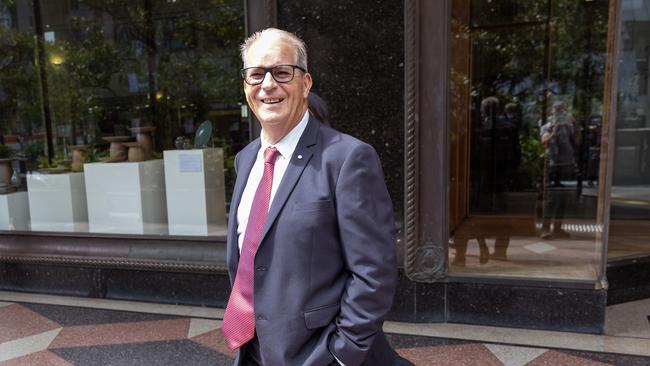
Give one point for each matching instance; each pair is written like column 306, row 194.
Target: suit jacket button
column 261, row 269
column 260, row 317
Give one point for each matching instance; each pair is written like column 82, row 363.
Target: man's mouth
column 272, row 100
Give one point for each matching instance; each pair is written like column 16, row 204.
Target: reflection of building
column 452, row 173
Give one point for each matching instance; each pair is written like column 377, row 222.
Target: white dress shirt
column 285, row 146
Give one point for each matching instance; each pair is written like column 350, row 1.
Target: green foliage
column 5, row 152
column 531, row 167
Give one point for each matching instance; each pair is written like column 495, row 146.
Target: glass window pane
column 146, row 93
column 630, row 197
column 491, row 13
column 527, row 100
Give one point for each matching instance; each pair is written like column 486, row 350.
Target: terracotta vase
column 6, row 171
column 79, row 157
column 136, row 152
column 117, row 151
column 144, row 136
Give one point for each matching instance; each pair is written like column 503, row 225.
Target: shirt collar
column 288, row 143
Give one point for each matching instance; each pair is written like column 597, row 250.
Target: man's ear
column 307, row 82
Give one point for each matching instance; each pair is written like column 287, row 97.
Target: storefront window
column 630, row 198
column 527, row 84
column 119, row 117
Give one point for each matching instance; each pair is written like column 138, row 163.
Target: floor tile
column 176, row 352
column 628, row 319
column 37, row 359
column 4, row 303
column 94, row 335
column 215, row 341
column 555, row 358
column 457, row 355
column 27, row 345
column 514, row 356
column 17, row 321
column 611, row 358
column 72, row 315
column 540, row 247
column 410, row 341
column 200, row 326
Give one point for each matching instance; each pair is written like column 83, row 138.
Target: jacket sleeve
column 367, row 234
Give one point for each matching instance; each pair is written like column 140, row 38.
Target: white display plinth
column 14, row 211
column 57, row 202
column 195, row 192
column 126, row 198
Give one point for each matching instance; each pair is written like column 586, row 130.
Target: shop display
column 57, row 201
column 126, row 198
column 195, row 190
column 117, row 150
column 136, row 152
column 14, row 211
column 79, row 157
column 203, row 135
column 144, row 136
column 5, row 176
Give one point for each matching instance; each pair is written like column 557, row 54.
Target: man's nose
column 269, row 81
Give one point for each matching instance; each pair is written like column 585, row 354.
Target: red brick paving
column 457, row 355
column 554, row 358
column 135, row 332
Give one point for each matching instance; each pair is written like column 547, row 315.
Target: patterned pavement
column 41, row 334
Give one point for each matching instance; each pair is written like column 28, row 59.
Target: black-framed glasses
column 280, row 73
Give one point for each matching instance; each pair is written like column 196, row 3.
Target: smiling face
column 278, row 106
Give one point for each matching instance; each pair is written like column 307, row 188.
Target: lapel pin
column 299, row 157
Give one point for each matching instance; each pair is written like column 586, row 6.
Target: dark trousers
column 251, row 353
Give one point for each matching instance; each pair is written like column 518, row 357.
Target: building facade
column 513, row 136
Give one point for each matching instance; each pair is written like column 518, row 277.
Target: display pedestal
column 14, row 211
column 126, row 198
column 195, row 192
column 57, row 202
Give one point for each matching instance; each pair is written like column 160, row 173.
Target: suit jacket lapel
column 245, row 162
column 301, row 156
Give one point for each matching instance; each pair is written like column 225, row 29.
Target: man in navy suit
column 311, row 237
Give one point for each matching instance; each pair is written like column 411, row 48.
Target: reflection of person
column 311, row 248
column 558, row 135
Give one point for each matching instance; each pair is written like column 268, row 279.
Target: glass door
column 527, row 85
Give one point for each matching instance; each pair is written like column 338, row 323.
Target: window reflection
column 527, row 81
column 114, row 81
column 630, row 195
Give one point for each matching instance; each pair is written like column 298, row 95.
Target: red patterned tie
column 239, row 318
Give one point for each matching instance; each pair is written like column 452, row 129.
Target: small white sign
column 189, row 163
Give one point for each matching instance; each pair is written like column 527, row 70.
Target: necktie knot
column 270, row 154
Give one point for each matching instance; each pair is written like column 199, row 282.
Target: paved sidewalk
column 51, row 330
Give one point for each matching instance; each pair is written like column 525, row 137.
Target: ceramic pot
column 144, row 136
column 79, row 157
column 117, row 151
column 6, row 171
column 136, row 152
